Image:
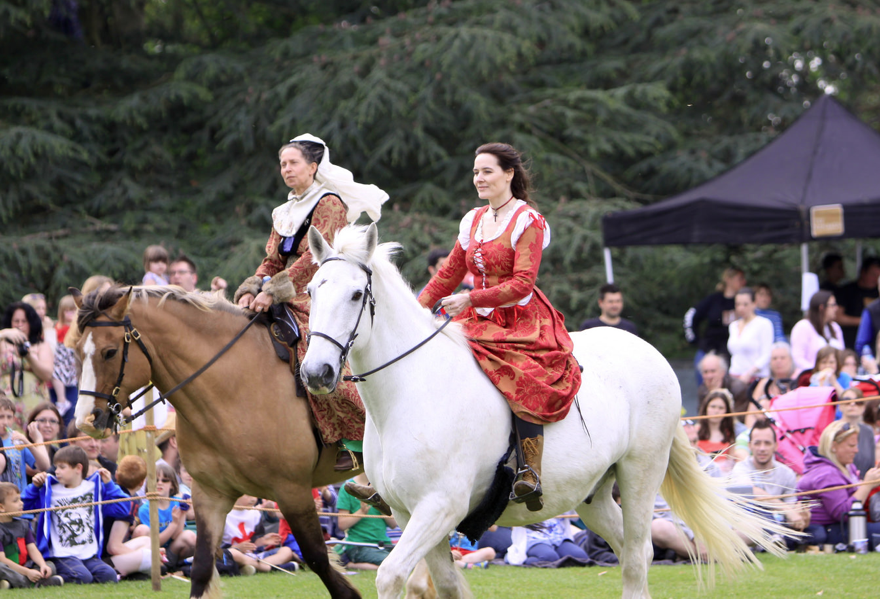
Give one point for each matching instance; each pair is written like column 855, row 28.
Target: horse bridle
column 368, row 298
column 113, row 405
column 131, row 333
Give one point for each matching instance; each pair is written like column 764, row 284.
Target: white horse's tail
column 715, row 515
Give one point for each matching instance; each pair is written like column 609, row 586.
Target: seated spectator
column 779, row 382
column 325, row 501
column 108, row 447
column 249, row 543
column 178, row 542
column 750, row 339
column 127, row 555
column 816, row 331
column 713, row 369
column 166, row 441
column 849, row 363
column 48, row 428
column 92, row 447
column 64, row 390
column 716, row 434
column 155, row 265
column 468, row 554
column 610, row 306
column 853, row 413
column 73, row 538
column 368, row 531
column 831, row 465
column 827, row 373
column 498, row 538
column 21, row 563
column 15, row 462
column 26, row 360
column 763, row 299
column 768, row 477
column 549, row 541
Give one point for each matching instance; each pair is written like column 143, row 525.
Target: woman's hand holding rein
column 456, row 304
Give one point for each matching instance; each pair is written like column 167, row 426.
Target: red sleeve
column 447, row 279
column 273, row 263
column 283, row 529
column 526, row 263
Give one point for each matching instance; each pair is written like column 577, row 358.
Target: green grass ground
column 825, row 576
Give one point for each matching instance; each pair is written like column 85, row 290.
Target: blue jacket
column 39, row 498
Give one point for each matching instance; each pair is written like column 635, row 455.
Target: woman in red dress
column 324, row 196
column 518, row 338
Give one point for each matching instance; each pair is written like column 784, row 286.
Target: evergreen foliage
column 132, row 122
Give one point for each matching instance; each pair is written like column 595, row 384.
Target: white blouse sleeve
column 464, row 229
column 524, row 220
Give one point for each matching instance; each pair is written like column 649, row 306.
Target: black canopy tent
column 818, row 179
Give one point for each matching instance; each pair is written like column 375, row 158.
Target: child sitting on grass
column 243, row 535
column 73, row 538
column 178, row 542
column 21, row 563
column 127, row 555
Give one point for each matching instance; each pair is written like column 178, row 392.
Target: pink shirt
column 806, row 343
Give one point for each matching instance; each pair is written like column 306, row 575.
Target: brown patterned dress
column 339, row 414
column 522, row 345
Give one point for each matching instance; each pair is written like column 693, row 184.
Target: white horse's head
column 342, row 304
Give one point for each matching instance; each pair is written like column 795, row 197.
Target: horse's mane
column 349, row 245
column 98, row 302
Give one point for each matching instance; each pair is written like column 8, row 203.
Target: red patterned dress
column 518, row 338
column 339, row 414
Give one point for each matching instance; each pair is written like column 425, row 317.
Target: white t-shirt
column 750, row 345
column 779, row 479
column 73, row 531
column 240, row 526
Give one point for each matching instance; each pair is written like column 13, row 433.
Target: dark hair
column 869, row 262
column 761, row 425
column 36, row 325
column 763, row 286
column 168, row 472
column 42, row 407
column 608, row 288
column 824, row 353
column 7, row 489
column 73, row 455
column 746, row 291
column 726, row 426
column 184, row 258
column 509, row 158
column 131, row 472
column 435, row 255
column 830, row 260
column 312, row 151
column 72, row 431
column 816, row 313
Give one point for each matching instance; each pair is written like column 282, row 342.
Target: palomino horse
column 437, row 428
column 241, row 427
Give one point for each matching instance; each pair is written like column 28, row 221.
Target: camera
column 24, row 348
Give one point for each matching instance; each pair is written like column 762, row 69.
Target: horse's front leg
column 212, row 508
column 298, row 507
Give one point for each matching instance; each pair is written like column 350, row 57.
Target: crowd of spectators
column 743, row 359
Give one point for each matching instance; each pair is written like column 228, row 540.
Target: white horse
column 437, row 428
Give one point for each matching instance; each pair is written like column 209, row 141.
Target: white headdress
column 358, row 198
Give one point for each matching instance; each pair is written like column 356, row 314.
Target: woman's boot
column 527, row 487
column 367, row 494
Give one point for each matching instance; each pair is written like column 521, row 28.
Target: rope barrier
column 83, row 438
column 821, row 405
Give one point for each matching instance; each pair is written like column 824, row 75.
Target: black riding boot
column 527, row 487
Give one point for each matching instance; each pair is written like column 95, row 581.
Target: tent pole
column 805, row 259
column 609, row 273
column 858, row 258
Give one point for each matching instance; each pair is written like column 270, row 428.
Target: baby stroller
column 798, row 429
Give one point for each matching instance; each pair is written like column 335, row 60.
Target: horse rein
column 131, row 333
column 346, row 348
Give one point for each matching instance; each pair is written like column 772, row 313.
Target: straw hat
column 170, row 422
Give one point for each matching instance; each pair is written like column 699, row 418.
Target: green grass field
column 800, row 575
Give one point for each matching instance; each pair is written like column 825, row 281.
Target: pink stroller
column 798, row 429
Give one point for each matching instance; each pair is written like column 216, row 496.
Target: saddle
column 283, row 330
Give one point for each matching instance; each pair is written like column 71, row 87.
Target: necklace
column 495, row 211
